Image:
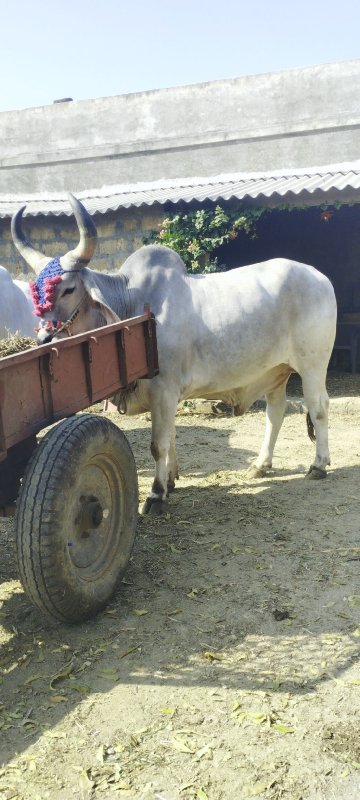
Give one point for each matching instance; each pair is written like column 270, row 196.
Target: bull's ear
column 105, row 310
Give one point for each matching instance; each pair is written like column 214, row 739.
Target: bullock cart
column 74, row 490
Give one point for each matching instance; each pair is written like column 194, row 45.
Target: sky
column 85, row 49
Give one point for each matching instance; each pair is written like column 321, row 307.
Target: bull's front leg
column 172, row 465
column 162, row 447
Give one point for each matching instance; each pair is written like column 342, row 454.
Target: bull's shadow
column 226, row 579
column 194, row 446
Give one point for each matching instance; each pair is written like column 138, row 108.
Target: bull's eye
column 70, row 290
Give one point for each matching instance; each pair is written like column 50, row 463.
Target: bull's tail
column 310, row 428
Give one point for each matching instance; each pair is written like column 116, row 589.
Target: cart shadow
column 231, row 458
column 196, row 608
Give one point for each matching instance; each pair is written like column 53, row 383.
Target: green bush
column 196, row 235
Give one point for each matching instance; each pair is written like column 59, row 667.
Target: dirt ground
column 227, row 666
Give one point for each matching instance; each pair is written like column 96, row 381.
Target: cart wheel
column 76, row 517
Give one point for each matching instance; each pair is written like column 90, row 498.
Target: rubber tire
column 67, row 459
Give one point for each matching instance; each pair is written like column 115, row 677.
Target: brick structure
column 119, row 234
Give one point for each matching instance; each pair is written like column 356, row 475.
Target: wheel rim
column 95, row 517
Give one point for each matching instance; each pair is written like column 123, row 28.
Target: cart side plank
column 46, row 384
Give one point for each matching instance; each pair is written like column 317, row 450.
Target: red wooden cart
column 75, row 490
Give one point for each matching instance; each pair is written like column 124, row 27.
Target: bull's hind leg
column 275, row 410
column 317, row 402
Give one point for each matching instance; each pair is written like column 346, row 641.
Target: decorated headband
column 43, row 289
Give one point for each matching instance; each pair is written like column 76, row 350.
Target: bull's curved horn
column 36, row 260
column 84, row 251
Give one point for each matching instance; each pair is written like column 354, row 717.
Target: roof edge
column 239, row 185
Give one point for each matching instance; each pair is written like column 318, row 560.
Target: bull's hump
column 156, row 255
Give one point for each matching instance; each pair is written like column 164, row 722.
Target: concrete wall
column 296, row 118
column 119, row 234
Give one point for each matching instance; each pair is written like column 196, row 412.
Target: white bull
column 233, row 336
column 16, row 307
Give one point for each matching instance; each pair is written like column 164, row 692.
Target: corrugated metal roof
column 240, row 185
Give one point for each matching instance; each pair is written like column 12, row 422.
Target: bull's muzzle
column 47, row 329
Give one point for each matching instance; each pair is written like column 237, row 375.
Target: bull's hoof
column 256, row 472
column 153, row 506
column 316, row 474
column 170, row 486
column 220, row 409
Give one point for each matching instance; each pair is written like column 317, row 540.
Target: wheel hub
column 90, row 530
column 90, row 515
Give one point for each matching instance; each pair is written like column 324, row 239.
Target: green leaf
column 254, row 790
column 354, row 599
column 256, row 716
column 32, row 678
column 58, row 698
column 128, row 651
column 283, row 729
column 109, row 675
column 181, row 744
column 210, row 656
column 63, row 673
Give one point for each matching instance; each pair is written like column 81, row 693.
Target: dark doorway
column 330, row 242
